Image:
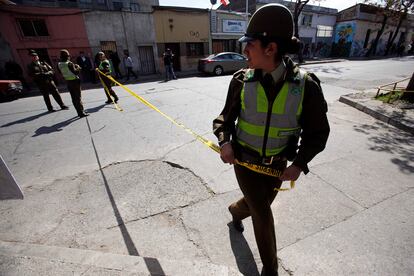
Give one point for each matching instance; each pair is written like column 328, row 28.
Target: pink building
column 46, row 30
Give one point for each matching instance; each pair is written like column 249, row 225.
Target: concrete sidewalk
column 128, row 193
column 399, row 116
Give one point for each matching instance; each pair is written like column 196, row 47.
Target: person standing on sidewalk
column 86, row 65
column 70, row 72
column 129, row 65
column 105, row 67
column 168, row 63
column 269, row 107
column 42, row 74
column 116, row 61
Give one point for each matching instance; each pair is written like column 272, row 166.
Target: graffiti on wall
column 344, row 35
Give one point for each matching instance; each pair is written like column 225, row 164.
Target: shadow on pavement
column 25, row 120
column 241, row 250
column 55, row 127
column 95, row 109
column 388, row 140
column 153, row 265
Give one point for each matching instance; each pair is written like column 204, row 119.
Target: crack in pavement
column 175, row 165
column 188, row 234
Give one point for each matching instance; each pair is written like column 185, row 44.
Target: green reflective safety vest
column 105, row 65
column 64, row 68
column 280, row 119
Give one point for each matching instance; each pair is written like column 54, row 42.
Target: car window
column 225, row 56
column 237, row 57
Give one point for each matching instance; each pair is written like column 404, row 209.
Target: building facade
column 357, row 28
column 186, row 31
column 111, row 5
column 46, row 30
column 119, row 31
column 315, row 23
column 226, row 29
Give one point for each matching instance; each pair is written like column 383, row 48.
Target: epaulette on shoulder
column 240, row 75
column 313, row 77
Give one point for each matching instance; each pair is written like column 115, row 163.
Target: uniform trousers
column 75, row 93
column 258, row 191
column 49, row 87
column 108, row 84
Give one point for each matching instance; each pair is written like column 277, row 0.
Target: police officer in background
column 105, row 67
column 42, row 74
column 70, row 72
column 274, row 104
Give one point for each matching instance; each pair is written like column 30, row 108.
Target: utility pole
column 247, row 13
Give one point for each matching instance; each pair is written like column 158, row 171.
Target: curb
column 137, row 265
column 394, row 121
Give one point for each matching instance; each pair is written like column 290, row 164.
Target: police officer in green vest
column 70, row 72
column 43, row 74
column 274, row 113
column 106, row 68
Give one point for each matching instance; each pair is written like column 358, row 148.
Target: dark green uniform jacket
column 313, row 120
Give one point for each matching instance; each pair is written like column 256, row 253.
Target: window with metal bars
column 33, row 27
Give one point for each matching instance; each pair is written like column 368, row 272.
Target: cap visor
column 246, row 39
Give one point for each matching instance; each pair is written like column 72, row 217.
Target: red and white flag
column 225, row 2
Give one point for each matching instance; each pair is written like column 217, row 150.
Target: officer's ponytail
column 293, row 46
column 284, row 47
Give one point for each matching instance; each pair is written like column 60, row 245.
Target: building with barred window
column 186, row 31
column 46, row 30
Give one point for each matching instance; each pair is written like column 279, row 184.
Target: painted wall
column 350, row 38
column 344, row 36
column 363, row 18
column 128, row 29
column 182, row 26
column 317, row 19
column 65, row 27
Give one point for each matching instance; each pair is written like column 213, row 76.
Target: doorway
column 175, row 49
column 146, row 60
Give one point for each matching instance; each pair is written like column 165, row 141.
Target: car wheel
column 218, row 70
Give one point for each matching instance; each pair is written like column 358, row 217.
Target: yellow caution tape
column 254, row 167
column 107, row 90
column 267, row 171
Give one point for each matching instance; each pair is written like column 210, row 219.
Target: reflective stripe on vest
column 105, row 63
column 64, row 68
column 286, row 111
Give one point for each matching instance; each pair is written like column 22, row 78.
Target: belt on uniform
column 268, row 160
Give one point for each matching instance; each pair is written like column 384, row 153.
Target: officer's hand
column 290, row 173
column 227, row 154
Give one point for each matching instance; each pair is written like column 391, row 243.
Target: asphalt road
column 133, row 183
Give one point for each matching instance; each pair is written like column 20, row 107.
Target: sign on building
column 234, row 26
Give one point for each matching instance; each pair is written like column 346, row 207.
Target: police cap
column 32, row 53
column 64, row 53
column 272, row 22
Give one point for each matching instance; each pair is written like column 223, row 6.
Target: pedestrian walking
column 168, row 63
column 42, row 74
column 70, row 72
column 129, row 66
column 105, row 67
column 116, row 61
column 269, row 107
